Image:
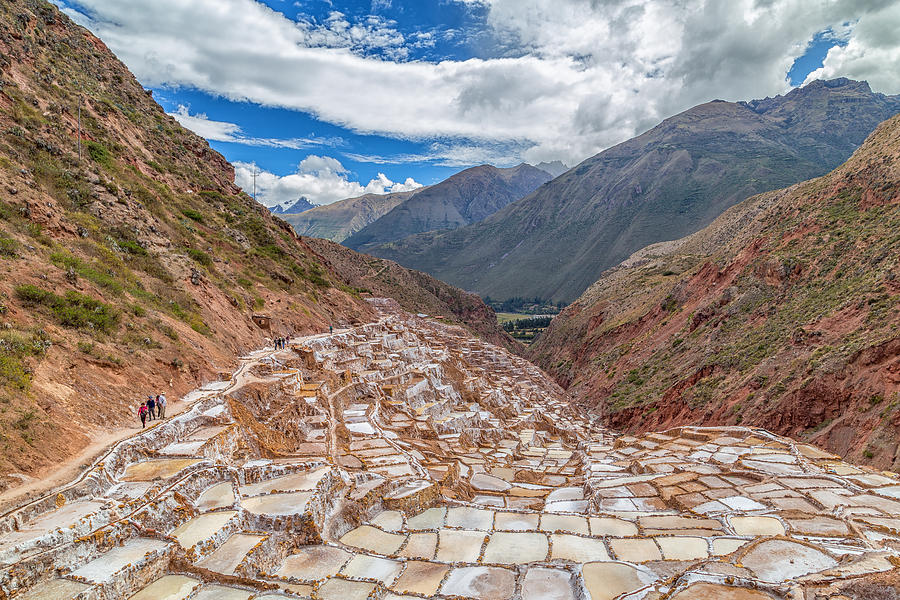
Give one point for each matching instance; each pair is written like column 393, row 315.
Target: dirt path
column 101, row 443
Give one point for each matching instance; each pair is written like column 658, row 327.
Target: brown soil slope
column 783, row 313
column 133, row 268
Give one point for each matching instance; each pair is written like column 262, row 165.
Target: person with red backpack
column 142, row 413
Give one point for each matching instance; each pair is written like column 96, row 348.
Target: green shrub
column 98, row 153
column 200, row 256
column 74, row 310
column 192, row 214
column 14, row 348
column 9, row 248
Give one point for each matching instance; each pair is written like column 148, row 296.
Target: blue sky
column 331, row 98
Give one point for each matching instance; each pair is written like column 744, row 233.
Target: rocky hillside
column 341, row 219
column 783, row 313
column 131, row 263
column 466, row 197
column 662, row 185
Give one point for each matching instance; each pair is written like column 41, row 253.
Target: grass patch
column 15, row 347
column 72, row 310
column 192, row 214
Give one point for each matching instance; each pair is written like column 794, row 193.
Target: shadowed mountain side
column 664, row 184
column 414, row 291
column 783, row 313
column 466, row 197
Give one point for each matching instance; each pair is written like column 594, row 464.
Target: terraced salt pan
column 182, row 448
column 470, row 518
column 577, row 549
column 220, row 495
column 61, row 517
column 373, row 539
column 512, row 548
column 201, row 527
column 312, row 563
column 229, row 555
column 421, row 578
column 168, row 587
column 221, row 592
column 277, row 504
column 372, row 567
column 608, row 580
column 712, row 591
column 294, row 482
column 342, row 589
column 484, row 583
column 455, row 545
column 420, row 545
column 433, row 518
column 756, row 526
column 55, row 589
column 104, row 568
column 547, row 584
column 775, row 561
column 150, row 470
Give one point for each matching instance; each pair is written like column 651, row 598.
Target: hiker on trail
column 161, row 406
column 142, row 413
column 330, row 329
column 151, row 407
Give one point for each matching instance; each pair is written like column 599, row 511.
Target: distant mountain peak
column 299, row 205
column 555, row 168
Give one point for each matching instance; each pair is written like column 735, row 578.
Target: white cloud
column 223, row 131
column 872, row 52
column 579, row 75
column 321, row 179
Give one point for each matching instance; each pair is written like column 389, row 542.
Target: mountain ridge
column 662, row 184
column 463, row 198
column 339, row 220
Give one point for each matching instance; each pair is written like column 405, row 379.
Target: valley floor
column 405, row 459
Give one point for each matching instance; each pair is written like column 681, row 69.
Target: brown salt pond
column 202, row 527
column 151, row 470
column 168, row 587
column 229, row 555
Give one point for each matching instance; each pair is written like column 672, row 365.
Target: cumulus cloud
column 321, row 179
column 575, row 77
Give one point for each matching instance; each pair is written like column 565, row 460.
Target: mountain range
column 663, row 184
column 339, row 220
column 783, row 313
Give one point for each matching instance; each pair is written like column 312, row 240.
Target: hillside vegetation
column 131, row 263
column 783, row 313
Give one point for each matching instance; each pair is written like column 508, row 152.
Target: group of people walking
column 152, row 408
column 280, row 343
